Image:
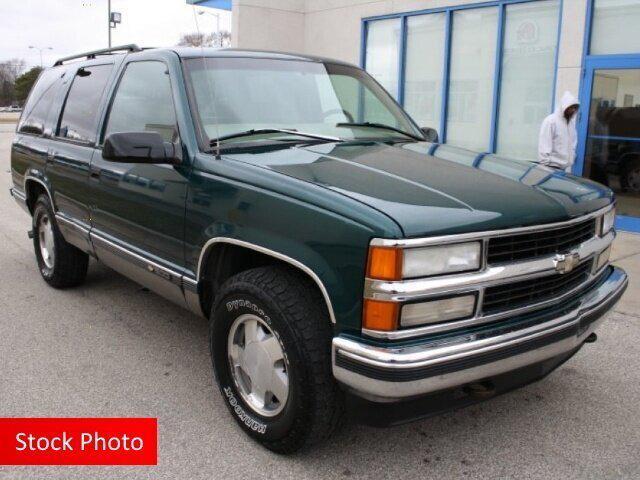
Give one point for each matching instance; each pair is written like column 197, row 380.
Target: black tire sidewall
column 226, row 310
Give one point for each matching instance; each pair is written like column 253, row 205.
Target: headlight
column 395, row 264
column 608, row 220
column 422, row 262
column 434, row 311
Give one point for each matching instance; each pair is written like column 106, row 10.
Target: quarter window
column 80, row 115
column 40, row 100
column 144, row 102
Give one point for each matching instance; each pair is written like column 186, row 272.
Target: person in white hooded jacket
column 558, row 135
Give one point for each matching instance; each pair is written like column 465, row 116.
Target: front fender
column 327, row 246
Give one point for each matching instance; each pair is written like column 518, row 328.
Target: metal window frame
column 590, row 63
column 444, row 97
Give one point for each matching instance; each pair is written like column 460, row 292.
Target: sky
column 74, row 26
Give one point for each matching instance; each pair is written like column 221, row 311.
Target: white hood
column 565, row 102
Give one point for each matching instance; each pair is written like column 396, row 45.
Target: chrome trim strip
column 17, row 194
column 463, row 237
column 20, row 198
column 469, row 346
column 274, row 254
column 168, row 274
column 72, row 223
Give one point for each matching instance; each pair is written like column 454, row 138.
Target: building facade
column 485, row 73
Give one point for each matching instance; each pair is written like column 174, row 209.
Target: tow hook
column 31, row 234
column 591, row 338
column 480, row 389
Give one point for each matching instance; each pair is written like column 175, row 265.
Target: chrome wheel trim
column 46, row 241
column 258, row 365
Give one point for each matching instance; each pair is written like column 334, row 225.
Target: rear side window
column 144, row 102
column 40, row 100
column 80, row 114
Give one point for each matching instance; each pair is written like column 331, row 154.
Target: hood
column 565, row 102
column 437, row 189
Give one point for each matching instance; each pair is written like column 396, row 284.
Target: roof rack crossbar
column 104, row 51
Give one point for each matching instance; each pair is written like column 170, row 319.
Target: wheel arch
column 33, row 186
column 212, row 246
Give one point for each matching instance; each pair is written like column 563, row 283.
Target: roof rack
column 105, row 51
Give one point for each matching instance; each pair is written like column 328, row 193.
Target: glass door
column 609, row 132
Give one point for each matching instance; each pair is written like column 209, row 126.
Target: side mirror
column 430, row 134
column 140, row 147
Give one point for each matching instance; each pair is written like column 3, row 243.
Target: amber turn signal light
column 384, row 263
column 379, row 315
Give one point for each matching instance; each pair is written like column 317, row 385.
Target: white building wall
column 269, row 25
column 332, row 28
column 574, row 13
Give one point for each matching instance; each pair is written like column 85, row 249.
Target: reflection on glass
column 423, row 70
column 613, row 142
column 529, row 49
column 615, row 27
column 383, row 46
column 473, row 53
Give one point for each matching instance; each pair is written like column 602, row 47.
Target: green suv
column 346, row 261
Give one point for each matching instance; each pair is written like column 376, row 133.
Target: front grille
column 535, row 244
column 519, row 294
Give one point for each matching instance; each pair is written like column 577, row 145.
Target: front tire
column 270, row 339
column 61, row 264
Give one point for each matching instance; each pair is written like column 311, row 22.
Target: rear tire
column 61, row 264
column 288, row 308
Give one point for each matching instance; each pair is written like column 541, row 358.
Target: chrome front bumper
column 395, row 373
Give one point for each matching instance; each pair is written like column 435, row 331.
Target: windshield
column 236, row 95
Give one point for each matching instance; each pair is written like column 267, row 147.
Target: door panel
column 138, row 209
column 71, row 149
column 142, row 205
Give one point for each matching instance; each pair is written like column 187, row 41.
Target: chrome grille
column 527, row 292
column 538, row 243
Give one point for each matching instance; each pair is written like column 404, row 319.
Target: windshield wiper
column 259, row 131
column 381, row 126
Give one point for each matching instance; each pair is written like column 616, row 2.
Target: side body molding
column 266, row 251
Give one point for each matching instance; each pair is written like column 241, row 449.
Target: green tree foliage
column 9, row 70
column 24, row 83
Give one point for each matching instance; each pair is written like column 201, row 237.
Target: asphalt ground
column 110, row 348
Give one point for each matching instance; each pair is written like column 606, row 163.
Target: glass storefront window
column 613, row 140
column 528, row 60
column 424, row 67
column 383, row 50
column 469, row 44
column 615, row 27
column 471, row 77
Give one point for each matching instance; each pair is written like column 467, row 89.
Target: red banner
column 78, row 441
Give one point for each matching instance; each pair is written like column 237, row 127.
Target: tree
column 9, row 70
column 197, row 39
column 24, row 83
column 222, row 38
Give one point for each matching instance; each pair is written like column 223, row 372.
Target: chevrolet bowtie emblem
column 566, row 262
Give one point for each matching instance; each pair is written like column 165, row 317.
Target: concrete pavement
column 110, row 348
